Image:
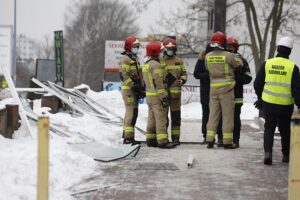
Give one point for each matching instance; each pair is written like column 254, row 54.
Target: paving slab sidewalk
column 216, row 173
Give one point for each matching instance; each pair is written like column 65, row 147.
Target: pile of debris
column 76, row 102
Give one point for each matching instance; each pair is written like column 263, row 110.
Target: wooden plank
column 3, row 121
column 43, row 159
column 294, row 165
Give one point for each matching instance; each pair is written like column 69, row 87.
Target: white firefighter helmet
column 286, row 42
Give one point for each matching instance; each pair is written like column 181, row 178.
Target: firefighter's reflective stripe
column 125, row 87
column 162, row 91
column 238, row 100
column 128, row 128
column 145, row 69
column 162, row 136
column 175, row 132
column 151, row 92
column 174, row 67
column 277, row 89
column 128, row 68
column 127, row 81
column 159, row 72
column 226, row 70
column 150, row 136
column 221, row 82
column 176, row 91
column 228, row 135
column 210, row 135
column 227, row 138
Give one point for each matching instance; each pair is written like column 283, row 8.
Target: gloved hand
column 179, row 82
column 142, row 94
column 164, row 102
column 258, row 104
column 135, row 89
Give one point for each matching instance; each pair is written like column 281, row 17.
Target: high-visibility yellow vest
column 277, row 89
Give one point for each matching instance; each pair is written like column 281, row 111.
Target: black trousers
column 237, row 123
column 282, row 117
column 205, row 116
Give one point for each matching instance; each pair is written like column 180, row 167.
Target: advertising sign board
column 113, row 56
column 6, row 47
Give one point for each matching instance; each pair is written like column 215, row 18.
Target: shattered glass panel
column 106, row 153
column 74, row 98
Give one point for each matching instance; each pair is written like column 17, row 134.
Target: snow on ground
column 18, row 157
column 191, row 111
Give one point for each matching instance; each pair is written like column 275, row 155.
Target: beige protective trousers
column 221, row 104
column 131, row 113
column 157, row 121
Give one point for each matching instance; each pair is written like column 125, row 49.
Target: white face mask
column 170, row 53
column 161, row 55
column 135, row 50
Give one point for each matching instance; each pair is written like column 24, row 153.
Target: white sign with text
column 6, row 47
column 113, row 50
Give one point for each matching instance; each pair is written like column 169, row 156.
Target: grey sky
column 37, row 18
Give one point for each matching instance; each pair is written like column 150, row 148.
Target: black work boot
column 203, row 142
column 168, row 145
column 131, row 141
column 175, row 140
column 220, row 143
column 210, row 145
column 285, row 158
column 268, row 158
column 236, row 144
column 152, row 143
column 229, row 146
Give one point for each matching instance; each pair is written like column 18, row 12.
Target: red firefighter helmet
column 218, row 39
column 169, row 43
column 153, row 49
column 131, row 42
column 232, row 41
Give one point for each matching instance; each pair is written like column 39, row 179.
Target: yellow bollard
column 294, row 165
column 43, row 158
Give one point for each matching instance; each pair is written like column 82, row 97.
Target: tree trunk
column 220, row 16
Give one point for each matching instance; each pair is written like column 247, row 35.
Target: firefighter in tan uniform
column 132, row 87
column 176, row 76
column 221, row 65
column 157, row 98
